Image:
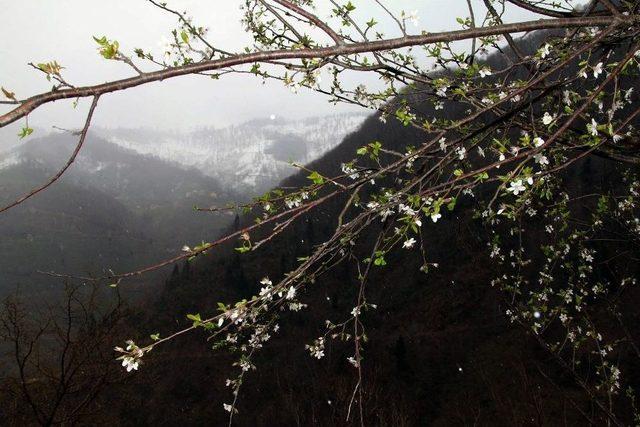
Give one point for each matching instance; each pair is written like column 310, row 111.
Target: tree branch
column 314, row 19
column 541, row 10
column 57, row 176
column 36, row 101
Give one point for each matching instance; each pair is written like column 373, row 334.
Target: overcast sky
column 44, row 30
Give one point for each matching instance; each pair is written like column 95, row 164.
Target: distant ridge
column 250, row 157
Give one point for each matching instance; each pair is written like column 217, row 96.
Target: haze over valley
column 129, row 196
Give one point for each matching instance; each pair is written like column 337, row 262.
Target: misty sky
column 44, row 30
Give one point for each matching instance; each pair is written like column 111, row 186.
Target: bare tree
column 62, row 357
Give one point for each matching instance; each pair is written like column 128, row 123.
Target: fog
column 62, row 30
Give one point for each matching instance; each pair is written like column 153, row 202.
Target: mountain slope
column 113, row 209
column 251, row 157
column 440, row 350
column 69, row 228
column 146, row 182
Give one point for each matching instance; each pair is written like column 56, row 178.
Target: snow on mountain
column 9, row 160
column 158, row 195
column 250, row 157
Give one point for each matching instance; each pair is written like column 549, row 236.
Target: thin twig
column 57, row 176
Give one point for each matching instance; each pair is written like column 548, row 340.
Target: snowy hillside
column 250, row 157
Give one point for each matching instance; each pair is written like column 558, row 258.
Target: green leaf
column 379, row 259
column 482, row 176
column 375, row 148
column 155, row 337
column 25, row 131
column 197, row 321
column 9, row 95
column 50, row 67
column 108, row 49
column 404, row 116
column 184, row 36
column 101, row 41
column 603, row 205
column 316, row 178
column 195, row 317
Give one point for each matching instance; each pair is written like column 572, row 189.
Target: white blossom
column 386, row 213
column 443, row 144
column 350, row 170
column 593, row 127
column 627, row 94
column 597, row 70
column 541, row 159
column 402, row 208
column 296, row 306
column 408, row 244
column 544, row 50
column 516, row 187
column 130, row 363
column 413, row 18
column 265, row 291
column 317, row 348
column 265, row 281
column 294, row 202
